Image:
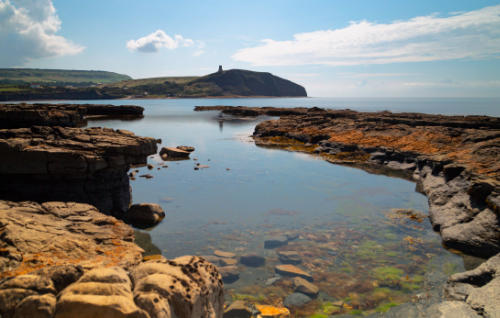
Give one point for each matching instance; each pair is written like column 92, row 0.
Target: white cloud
column 28, row 31
column 198, row 53
column 351, row 75
column 474, row 34
column 155, row 41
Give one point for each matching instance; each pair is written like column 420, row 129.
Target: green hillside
column 29, row 75
column 153, row 81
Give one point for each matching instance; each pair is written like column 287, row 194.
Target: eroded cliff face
column 71, row 164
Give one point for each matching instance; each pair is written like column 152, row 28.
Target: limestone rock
column 146, row 212
column 65, row 234
column 228, row 261
column 174, row 152
column 229, row 273
column 238, row 309
column 184, row 287
column 186, row 148
column 305, row 287
column 36, row 306
column 290, row 270
column 252, row 259
column 275, row 241
column 296, row 300
column 71, row 164
column 224, row 254
column 290, row 257
column 103, row 292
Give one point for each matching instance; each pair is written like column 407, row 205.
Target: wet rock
column 296, row 300
column 228, row 261
column 186, row 148
column 147, row 176
column 252, row 259
column 290, row 257
column 187, row 286
column 146, row 212
column 291, row 235
column 290, row 270
column 224, row 254
column 272, row 280
column 211, row 259
column 275, row 241
column 174, row 152
column 132, row 174
column 229, row 273
column 305, row 287
column 238, row 309
column 65, row 234
column 151, row 166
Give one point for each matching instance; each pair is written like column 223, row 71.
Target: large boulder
column 146, row 212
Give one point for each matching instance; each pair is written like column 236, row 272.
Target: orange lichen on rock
column 271, row 311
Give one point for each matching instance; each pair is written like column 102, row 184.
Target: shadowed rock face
column 71, row 164
column 64, row 115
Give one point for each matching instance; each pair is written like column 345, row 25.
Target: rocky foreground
column 63, row 115
column 71, row 164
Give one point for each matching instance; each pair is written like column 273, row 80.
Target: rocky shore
column 63, row 115
column 71, row 164
column 453, row 160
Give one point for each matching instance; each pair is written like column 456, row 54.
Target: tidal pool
column 363, row 237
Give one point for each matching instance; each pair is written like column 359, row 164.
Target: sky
column 332, row 48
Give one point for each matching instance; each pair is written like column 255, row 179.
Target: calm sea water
column 351, row 239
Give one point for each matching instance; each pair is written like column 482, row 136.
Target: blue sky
column 332, row 48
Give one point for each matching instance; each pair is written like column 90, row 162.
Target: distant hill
column 231, row 83
column 248, row 83
column 29, row 75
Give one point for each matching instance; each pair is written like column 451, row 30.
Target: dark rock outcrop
column 64, row 115
column 71, row 164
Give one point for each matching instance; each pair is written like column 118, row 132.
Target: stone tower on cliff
column 220, row 69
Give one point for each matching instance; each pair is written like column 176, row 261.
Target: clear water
column 355, row 252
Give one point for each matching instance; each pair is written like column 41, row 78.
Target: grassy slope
column 46, row 75
column 153, row 80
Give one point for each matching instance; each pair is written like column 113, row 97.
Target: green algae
column 356, row 312
column 450, row 268
column 392, row 254
column 386, row 307
column 318, row 316
column 388, row 275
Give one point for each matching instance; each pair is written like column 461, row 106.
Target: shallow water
column 351, row 240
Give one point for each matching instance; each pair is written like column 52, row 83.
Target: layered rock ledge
column 63, row 115
column 62, row 259
column 71, row 164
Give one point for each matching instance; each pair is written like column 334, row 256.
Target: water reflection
column 347, row 223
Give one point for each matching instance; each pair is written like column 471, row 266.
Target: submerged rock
column 296, row 300
column 290, row 257
column 229, row 273
column 272, row 280
column 238, row 309
column 305, row 287
column 275, row 241
column 252, row 259
column 224, row 254
column 290, row 270
column 228, row 261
